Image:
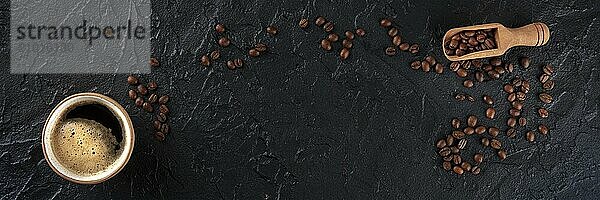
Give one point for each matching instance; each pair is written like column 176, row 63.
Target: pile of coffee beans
column 396, row 39
column 469, row 41
column 516, row 91
column 332, row 37
column 480, row 70
column 451, row 146
column 428, row 63
column 212, row 57
column 146, row 98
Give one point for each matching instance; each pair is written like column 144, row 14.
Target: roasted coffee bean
column 517, row 105
column 548, row 70
column 272, row 30
column 439, row 68
column 543, row 112
column 447, row 158
column 470, row 98
column 462, row 73
column 512, row 97
column 147, row 107
column 543, row 129
column 545, row 97
column 449, row 140
column 142, row 89
column 458, row 134
column 479, row 76
column 495, row 144
column 425, row 66
column 473, row 41
column 238, row 62
column 414, row 48
column 332, row 37
column 455, row 123
column 390, row 51
column 517, row 82
column 485, row 142
column 490, row 113
column 499, row 69
column 139, row 101
column 326, row 45
column 478, row 158
column 525, row 62
column 469, row 130
column 215, row 55
column 344, row 53
column 458, row 170
column 320, row 21
column 493, row 131
column 360, row 32
column 152, row 98
column 476, row 170
column 548, row 85
column 530, row 136
column 525, row 87
column 456, row 159
column 455, row 150
column 164, row 128
column 480, row 129
column 544, row 78
column 508, row 88
column 163, row 99
column 493, row 74
column 511, row 122
column 328, row 27
column 514, row 112
column 230, row 65
column 157, row 125
column 205, row 60
column 462, row 144
column 488, row 100
column 460, row 97
column 392, row 32
column 260, row 47
column 522, row 121
column 346, row 43
column 404, row 46
column 454, row 66
column 440, row 143
column 466, row 166
column 152, row 85
column 444, row 151
column 220, row 28
column 349, row 35
column 224, row 42
column 502, row 154
column 163, row 109
column 472, row 121
column 385, row 23
column 159, row 136
column 132, row 80
column 397, row 40
column 447, row 166
column 495, row 62
column 161, row 117
column 415, row 65
column 511, row 132
column 132, row 94
column 154, row 62
column 253, row 53
column 509, row 67
column 303, row 23
column 468, row 83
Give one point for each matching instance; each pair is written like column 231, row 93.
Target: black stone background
column 298, row 123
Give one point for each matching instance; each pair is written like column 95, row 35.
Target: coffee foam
column 84, row 146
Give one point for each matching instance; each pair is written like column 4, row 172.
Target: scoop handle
column 535, row 34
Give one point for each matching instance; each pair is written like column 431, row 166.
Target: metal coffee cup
column 89, row 106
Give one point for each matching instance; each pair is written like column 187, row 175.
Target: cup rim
column 127, row 130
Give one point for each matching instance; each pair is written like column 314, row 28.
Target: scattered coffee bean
column 472, row 121
column 468, row 83
column 152, row 85
column 545, row 97
column 238, row 62
column 469, row 131
column 490, row 113
column 272, row 30
column 415, row 65
column 397, row 40
column 495, row 62
column 164, row 128
column 303, row 23
column 414, row 48
column 153, row 98
column 455, row 123
column 326, row 45
column 445, row 151
column 220, row 28
column 543, row 129
column 157, row 125
column 493, row 131
column 447, row 166
column 459, row 97
column 390, row 51
column 485, row 142
column 328, row 27
column 163, row 109
column 253, row 53
column 159, row 136
column 455, row 150
column 456, row 159
column 360, row 32
column 509, row 67
column 332, row 37
column 260, row 47
column 476, row 170
column 548, row 85
column 132, row 94
column 458, row 134
column 344, row 53
column 525, row 62
column 495, row 144
column 385, row 23
column 163, row 99
column 511, row 132
column 224, row 42
column 346, row 43
column 514, row 112
column 466, row 166
column 215, row 55
column 320, row 21
column 449, row 140
column 544, row 78
column 132, row 80
column 425, row 66
column 404, row 46
column 478, row 158
column 161, row 117
column 462, row 73
column 517, row 105
column 512, row 97
column 142, row 89
column 154, row 62
column 512, row 122
column 488, row 100
column 462, row 144
column 139, row 101
column 454, row 66
column 147, row 107
column 502, row 154
column 392, row 32
column 458, row 170
column 530, row 136
column 508, row 88
column 205, row 60
column 522, row 121
column 543, row 112
column 349, row 35
column 548, row 70
column 439, row 68
column 480, row 129
column 440, row 143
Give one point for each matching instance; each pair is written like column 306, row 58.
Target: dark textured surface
column 297, row 123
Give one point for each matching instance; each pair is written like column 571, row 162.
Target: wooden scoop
column 535, row 34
